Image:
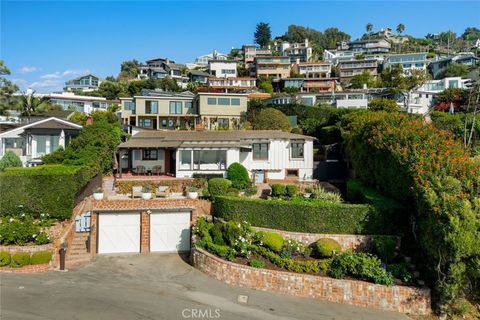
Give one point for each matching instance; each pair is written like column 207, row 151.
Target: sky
column 46, row 43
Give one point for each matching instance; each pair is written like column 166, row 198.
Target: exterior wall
column 395, row 298
column 27, row 269
column 221, row 110
column 148, row 164
column 232, row 83
column 163, row 105
column 216, row 68
column 276, row 67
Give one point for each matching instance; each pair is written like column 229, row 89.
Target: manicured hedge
column 43, row 189
column 307, row 217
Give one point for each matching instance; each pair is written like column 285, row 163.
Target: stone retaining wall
column 347, row 241
column 29, row 248
column 27, row 269
column 395, row 298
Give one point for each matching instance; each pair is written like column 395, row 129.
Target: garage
column 170, row 231
column 118, row 232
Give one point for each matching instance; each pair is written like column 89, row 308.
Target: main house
column 32, row 141
column 159, row 110
column 84, row 83
column 267, row 155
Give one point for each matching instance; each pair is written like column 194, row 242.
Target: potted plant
column 192, row 192
column 147, row 192
column 98, row 194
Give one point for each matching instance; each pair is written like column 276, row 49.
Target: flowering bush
column 292, row 248
column 23, row 229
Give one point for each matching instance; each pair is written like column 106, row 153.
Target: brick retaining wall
column 395, row 298
column 347, row 241
column 27, row 269
column 28, row 248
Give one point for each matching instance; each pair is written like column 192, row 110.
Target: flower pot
column 307, row 195
column 146, row 195
column 192, row 195
column 98, row 195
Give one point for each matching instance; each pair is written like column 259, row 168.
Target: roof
column 59, row 114
column 48, row 123
column 199, row 73
column 179, row 139
column 86, row 75
column 158, row 93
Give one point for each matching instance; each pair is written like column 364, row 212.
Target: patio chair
column 157, row 170
column 137, row 191
column 163, row 192
column 141, row 170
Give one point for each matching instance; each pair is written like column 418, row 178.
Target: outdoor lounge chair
column 163, row 192
column 137, row 191
column 157, row 170
column 141, row 170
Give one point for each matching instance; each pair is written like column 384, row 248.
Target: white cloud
column 27, row 69
column 55, row 75
column 20, row 82
column 46, row 84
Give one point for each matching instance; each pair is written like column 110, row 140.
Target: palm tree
column 369, row 27
column 400, row 28
column 30, row 104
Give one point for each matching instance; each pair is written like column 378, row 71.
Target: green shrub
column 385, row 247
column 251, row 191
column 291, row 190
column 238, row 174
column 257, row 263
column 360, row 265
column 9, row 160
column 327, row 247
column 5, row 258
column 20, row 259
column 305, row 216
column 319, row 193
column 278, row 190
column 231, row 232
column 21, row 230
column 400, row 271
column 218, row 186
column 272, row 240
column 41, row 257
column 232, row 192
column 216, row 232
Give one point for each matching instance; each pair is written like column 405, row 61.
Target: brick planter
column 395, row 298
column 27, row 269
column 28, row 248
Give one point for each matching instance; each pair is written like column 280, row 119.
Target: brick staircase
column 77, row 251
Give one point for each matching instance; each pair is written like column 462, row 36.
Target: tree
column 111, row 90
column 369, row 27
column 265, row 84
column 388, row 105
column 332, row 36
column 235, row 54
column 7, row 88
column 129, row 69
column 262, row 34
column 78, row 118
column 168, row 84
column 30, row 104
column 271, row 119
column 453, row 70
column 359, row 80
column 471, row 34
column 9, row 160
column 400, row 28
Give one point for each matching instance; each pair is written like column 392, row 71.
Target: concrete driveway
column 154, row 286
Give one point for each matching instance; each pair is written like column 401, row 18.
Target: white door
column 170, row 231
column 118, row 232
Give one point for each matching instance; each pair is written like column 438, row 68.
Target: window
column 209, row 160
column 41, row 145
column 235, row 101
column 297, row 149
column 223, row 123
column 150, row 154
column 224, row 101
column 186, row 160
column 175, row 107
column 292, row 173
column 228, row 71
column 151, row 107
column 260, row 151
column 188, row 104
column 212, row 101
column 144, row 122
column 129, row 105
column 164, row 123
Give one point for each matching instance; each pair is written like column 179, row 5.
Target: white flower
column 11, row 220
column 23, row 214
column 34, row 235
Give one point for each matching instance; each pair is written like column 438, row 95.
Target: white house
column 223, row 68
column 267, row 154
column 32, row 141
column 422, row 99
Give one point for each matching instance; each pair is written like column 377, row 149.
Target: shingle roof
column 231, row 138
column 52, row 124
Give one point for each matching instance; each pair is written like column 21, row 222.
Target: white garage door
column 170, row 232
column 118, row 232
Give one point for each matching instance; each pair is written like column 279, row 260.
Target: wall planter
column 146, row 195
column 98, row 194
column 192, row 193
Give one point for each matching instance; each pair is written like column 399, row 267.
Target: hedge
column 43, row 189
column 428, row 170
column 309, row 217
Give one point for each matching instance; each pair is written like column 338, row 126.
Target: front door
column 259, row 176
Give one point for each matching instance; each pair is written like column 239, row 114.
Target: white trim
column 22, row 128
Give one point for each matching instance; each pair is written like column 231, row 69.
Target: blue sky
column 45, row 43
